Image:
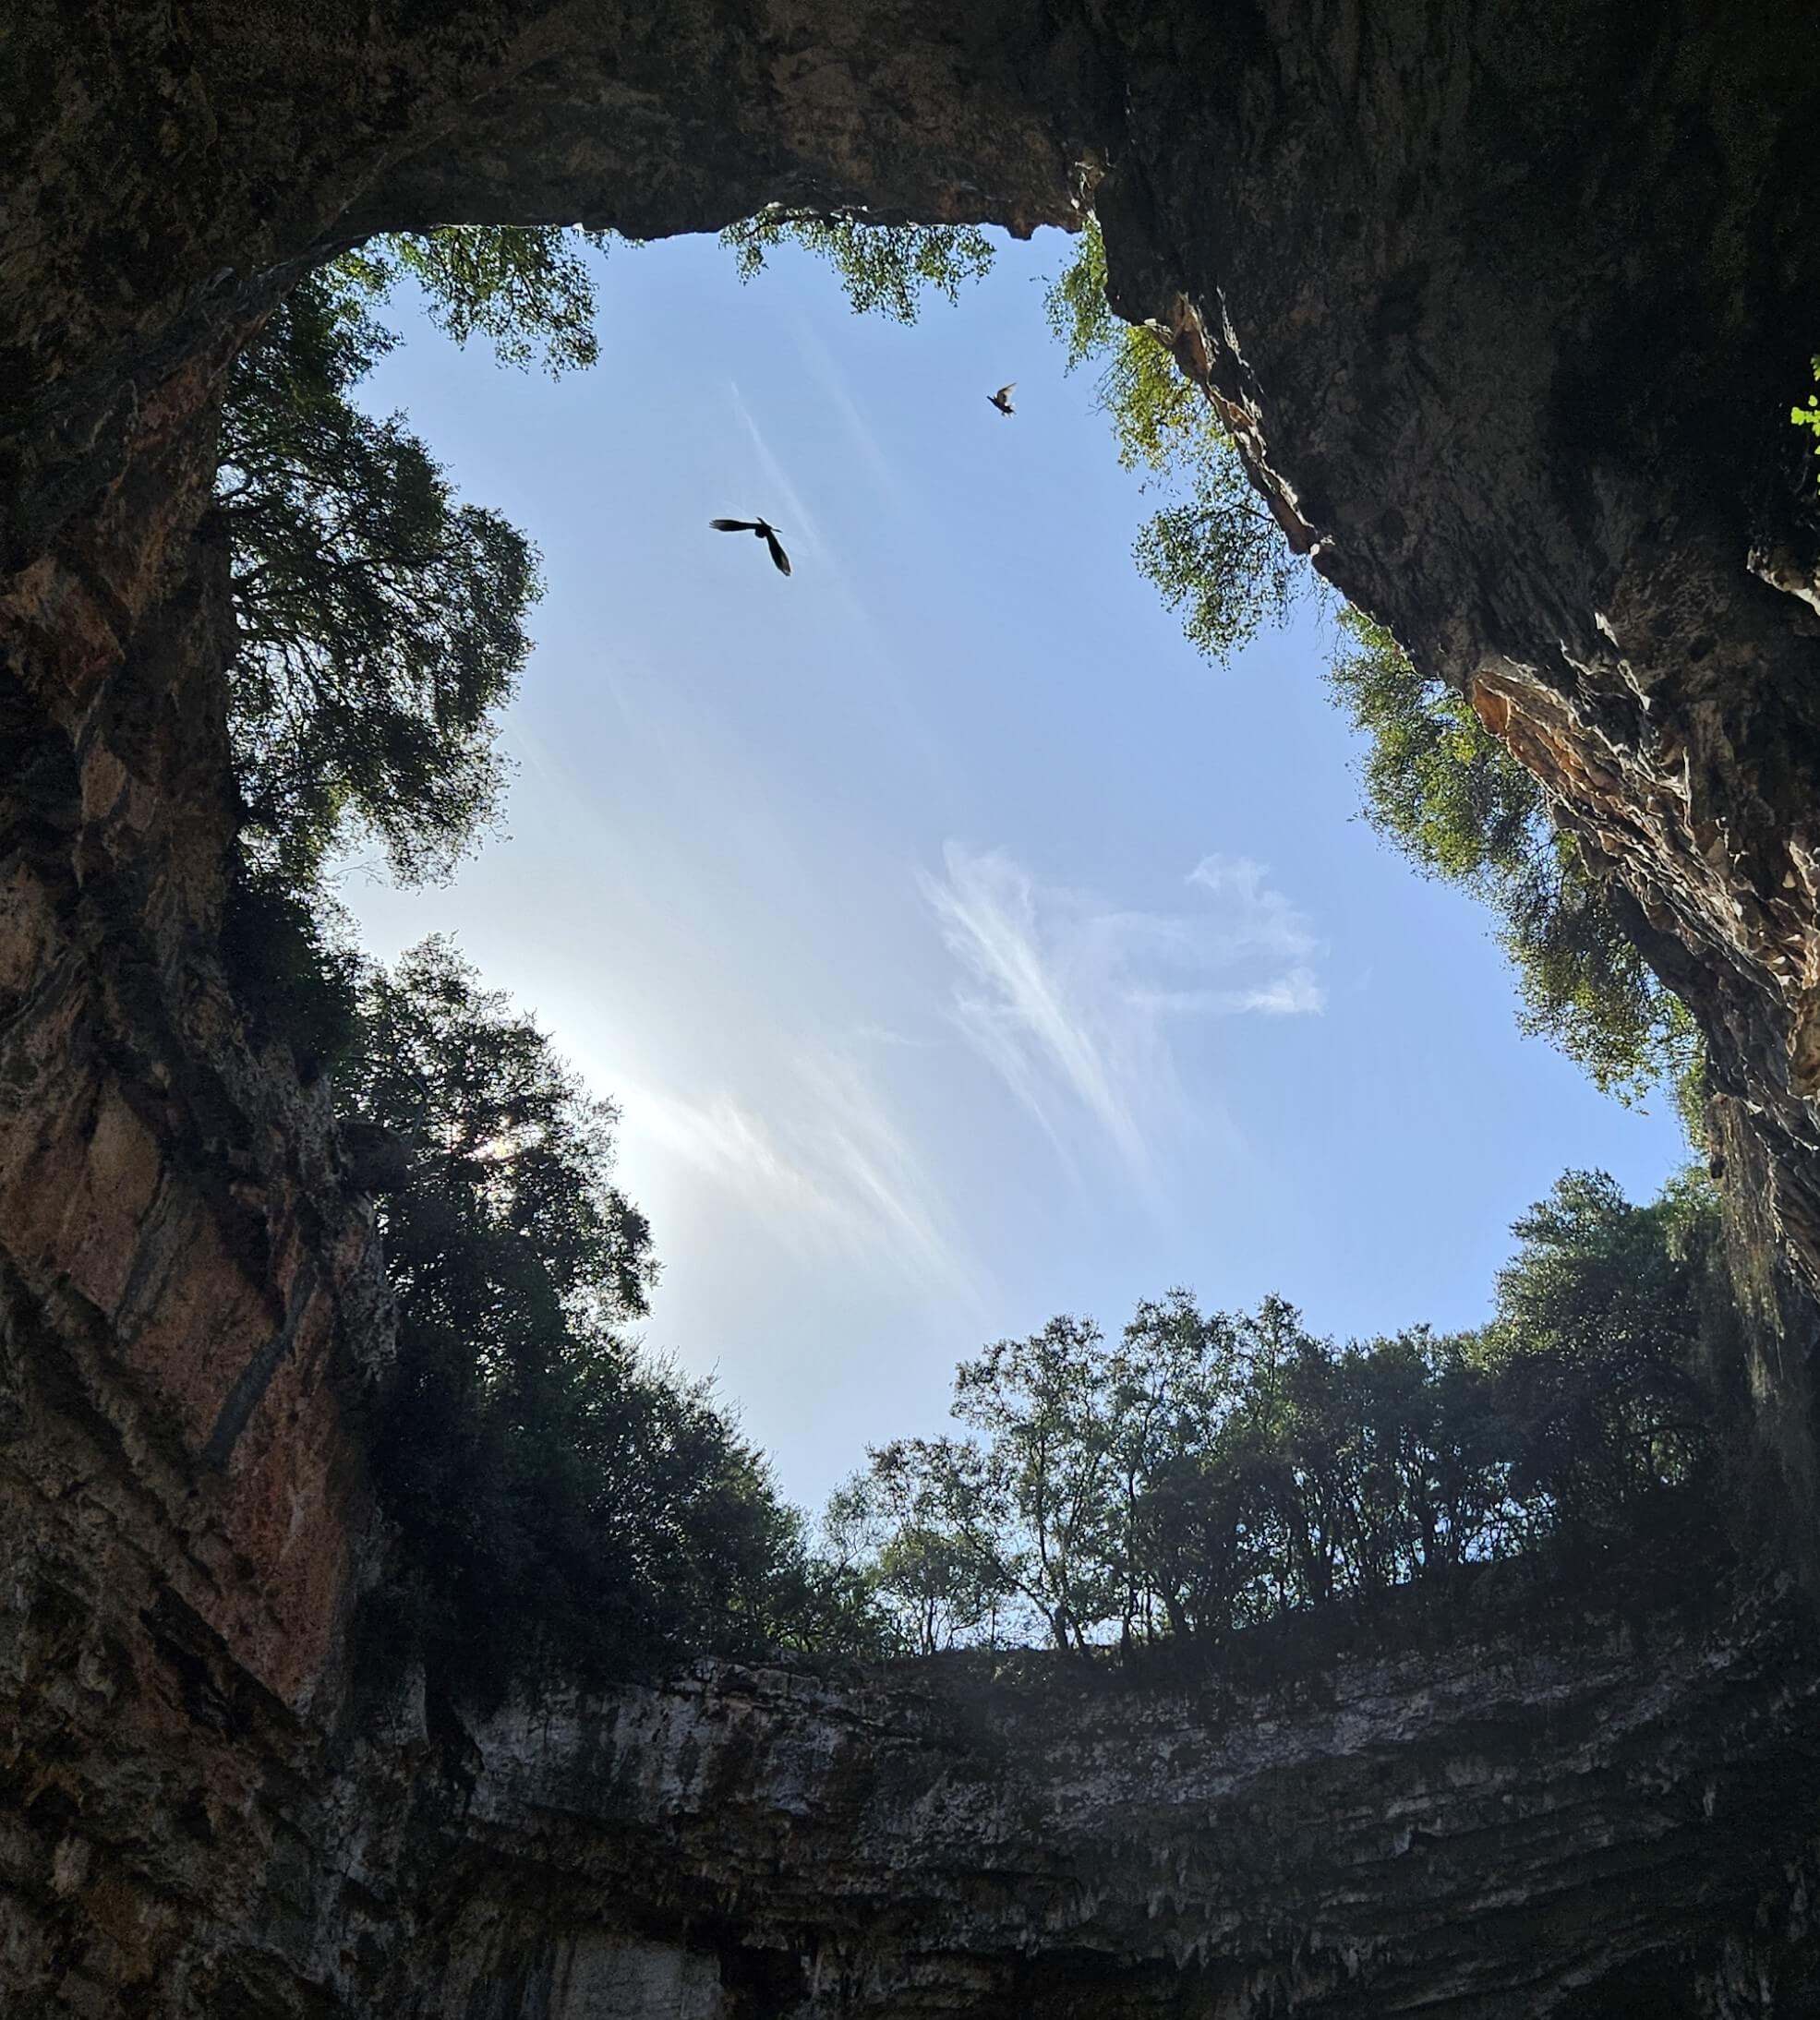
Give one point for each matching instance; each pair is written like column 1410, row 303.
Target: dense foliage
column 525, row 288
column 1808, row 413
column 886, row 269
column 1212, row 549
column 560, row 1495
column 1447, row 792
column 380, row 623
column 1208, row 1471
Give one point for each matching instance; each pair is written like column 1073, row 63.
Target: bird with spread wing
column 1002, row 398
column 766, row 531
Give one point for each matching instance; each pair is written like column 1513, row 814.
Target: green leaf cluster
column 1445, row 792
column 525, row 288
column 1808, row 413
column 380, row 622
column 562, row 1497
column 1160, row 420
column 1207, row 1472
column 1212, row 549
column 887, row 270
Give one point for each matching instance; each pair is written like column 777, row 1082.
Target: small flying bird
column 1002, row 399
column 766, row 531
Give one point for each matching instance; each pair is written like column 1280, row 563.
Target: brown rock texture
column 1506, row 301
column 1605, row 1811
column 1501, row 1822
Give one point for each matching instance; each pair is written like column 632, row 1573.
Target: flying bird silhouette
column 766, row 531
column 1002, row 399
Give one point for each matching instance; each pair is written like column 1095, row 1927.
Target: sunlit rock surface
column 1507, row 301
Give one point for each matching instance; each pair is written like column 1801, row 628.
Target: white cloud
column 865, row 654
column 1070, row 1002
column 1295, row 994
column 803, row 530
column 720, row 1138
column 822, row 1163
column 1256, row 918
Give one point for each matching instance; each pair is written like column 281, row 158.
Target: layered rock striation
column 1500, row 1822
column 1607, row 1812
column 1506, row 305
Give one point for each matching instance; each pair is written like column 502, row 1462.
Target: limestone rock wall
column 1603, row 1813
column 1498, row 1823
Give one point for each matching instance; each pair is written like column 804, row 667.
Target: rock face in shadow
column 1503, row 1822
column 1607, row 1812
column 1506, row 304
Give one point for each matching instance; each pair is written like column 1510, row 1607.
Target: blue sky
column 960, row 946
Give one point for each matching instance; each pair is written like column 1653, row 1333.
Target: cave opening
column 804, row 864
column 1506, row 311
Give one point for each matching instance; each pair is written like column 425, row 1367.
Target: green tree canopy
column 1209, row 1470
column 1445, row 792
column 1607, row 1317
column 525, row 288
column 381, row 624
column 886, row 269
column 559, row 1494
column 911, row 1533
column 1212, row 547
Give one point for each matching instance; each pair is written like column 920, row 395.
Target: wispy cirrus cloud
column 1072, row 1002
column 866, row 651
column 823, row 1161
column 804, row 527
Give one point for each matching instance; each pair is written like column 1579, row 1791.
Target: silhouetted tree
column 560, row 1494
column 381, row 624
column 1212, row 1470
